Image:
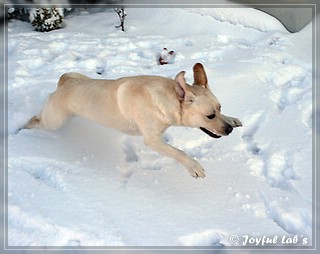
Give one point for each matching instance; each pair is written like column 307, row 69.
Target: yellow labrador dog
column 140, row 105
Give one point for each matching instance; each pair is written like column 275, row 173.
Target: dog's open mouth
column 211, row 134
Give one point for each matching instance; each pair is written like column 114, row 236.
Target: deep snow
column 85, row 185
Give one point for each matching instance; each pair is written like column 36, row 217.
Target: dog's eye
column 211, row 116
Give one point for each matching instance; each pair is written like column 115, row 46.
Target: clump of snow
column 85, row 185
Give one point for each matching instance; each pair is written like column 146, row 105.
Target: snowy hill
column 85, row 185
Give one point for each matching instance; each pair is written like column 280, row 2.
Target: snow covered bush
column 46, row 19
column 18, row 13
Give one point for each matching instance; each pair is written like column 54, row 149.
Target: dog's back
column 116, row 104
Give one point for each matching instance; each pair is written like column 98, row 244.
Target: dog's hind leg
column 52, row 116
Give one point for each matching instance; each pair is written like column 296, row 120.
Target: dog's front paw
column 196, row 170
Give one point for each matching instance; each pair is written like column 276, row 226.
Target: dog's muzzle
column 231, row 123
column 211, row 134
column 228, row 129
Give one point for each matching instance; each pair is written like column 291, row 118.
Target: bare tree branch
column 122, row 15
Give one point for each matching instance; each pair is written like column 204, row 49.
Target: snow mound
column 206, row 238
column 246, row 17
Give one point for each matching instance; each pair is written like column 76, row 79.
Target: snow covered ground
column 85, row 185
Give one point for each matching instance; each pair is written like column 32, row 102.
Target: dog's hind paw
column 34, row 122
column 196, row 170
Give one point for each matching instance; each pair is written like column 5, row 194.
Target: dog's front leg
column 156, row 143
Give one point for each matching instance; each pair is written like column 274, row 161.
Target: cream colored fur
column 140, row 105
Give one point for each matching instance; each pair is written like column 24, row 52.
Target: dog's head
column 200, row 107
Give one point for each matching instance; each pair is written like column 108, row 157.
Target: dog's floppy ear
column 182, row 90
column 199, row 75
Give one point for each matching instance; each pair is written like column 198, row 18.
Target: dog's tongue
column 211, row 134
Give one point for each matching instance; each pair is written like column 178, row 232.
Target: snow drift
column 85, row 185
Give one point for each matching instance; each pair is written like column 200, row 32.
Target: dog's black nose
column 228, row 129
